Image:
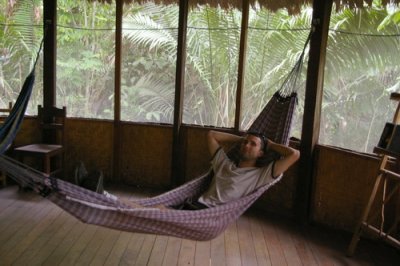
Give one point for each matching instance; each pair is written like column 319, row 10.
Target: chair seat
column 40, row 148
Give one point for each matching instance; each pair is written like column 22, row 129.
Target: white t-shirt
column 231, row 182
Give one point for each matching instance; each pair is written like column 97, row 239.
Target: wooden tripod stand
column 389, row 192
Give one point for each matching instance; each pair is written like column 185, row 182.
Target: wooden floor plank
column 8, row 197
column 287, row 245
column 246, row 244
column 30, row 255
column 203, row 253
column 25, row 217
column 16, row 210
column 260, row 246
column 79, row 244
column 303, row 248
column 275, row 250
column 320, row 245
column 37, row 232
column 158, row 251
column 132, row 251
column 329, row 247
column 89, row 252
column 187, row 252
column 218, row 251
column 105, row 248
column 50, row 239
column 118, row 249
column 66, row 245
column 172, row 251
column 14, row 219
column 232, row 249
column 145, row 251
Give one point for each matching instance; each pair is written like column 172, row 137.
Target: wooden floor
column 33, row 231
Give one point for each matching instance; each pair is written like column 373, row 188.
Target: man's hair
column 262, row 138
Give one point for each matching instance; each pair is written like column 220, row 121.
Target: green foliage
column 361, row 72
column 361, row 68
column 85, row 58
column 20, row 38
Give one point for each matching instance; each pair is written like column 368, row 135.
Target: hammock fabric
column 101, row 209
column 11, row 125
column 9, row 128
column 274, row 122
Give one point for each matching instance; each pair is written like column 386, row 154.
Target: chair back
column 52, row 124
column 5, row 111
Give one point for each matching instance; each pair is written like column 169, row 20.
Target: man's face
column 251, row 148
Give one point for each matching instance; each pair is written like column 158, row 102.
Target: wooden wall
column 90, row 142
column 342, row 179
column 342, row 185
column 146, row 155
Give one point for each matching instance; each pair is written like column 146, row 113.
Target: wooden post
column 242, row 62
column 49, row 52
column 312, row 106
column 117, row 91
column 176, row 173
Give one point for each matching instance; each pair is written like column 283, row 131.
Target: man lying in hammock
column 233, row 180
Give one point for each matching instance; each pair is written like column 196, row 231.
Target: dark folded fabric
column 190, row 205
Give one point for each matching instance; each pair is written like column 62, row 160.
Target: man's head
column 262, row 137
column 253, row 146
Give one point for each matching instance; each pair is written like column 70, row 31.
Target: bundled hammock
column 101, row 209
column 11, row 125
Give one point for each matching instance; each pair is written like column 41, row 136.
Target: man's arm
column 216, row 138
column 289, row 157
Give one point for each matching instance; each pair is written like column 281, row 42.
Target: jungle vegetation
column 361, row 70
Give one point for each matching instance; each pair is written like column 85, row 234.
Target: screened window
column 149, row 46
column 360, row 73
column 20, row 36
column 213, row 38
column 362, row 69
column 85, row 58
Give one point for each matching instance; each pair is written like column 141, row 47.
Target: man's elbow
column 295, row 155
column 211, row 136
column 212, row 142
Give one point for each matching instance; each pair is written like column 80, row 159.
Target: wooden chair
column 51, row 149
column 4, row 112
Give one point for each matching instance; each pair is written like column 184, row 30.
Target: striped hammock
column 100, row 209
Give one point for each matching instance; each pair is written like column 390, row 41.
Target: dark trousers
column 191, row 205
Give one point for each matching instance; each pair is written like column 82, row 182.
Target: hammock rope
column 100, row 209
